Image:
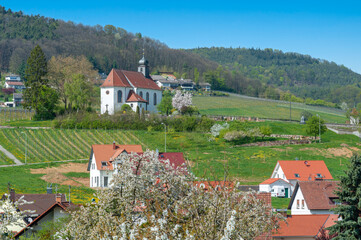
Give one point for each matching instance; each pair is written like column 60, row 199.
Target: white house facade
column 294, row 171
column 317, row 197
column 273, row 184
column 105, row 159
column 135, row 89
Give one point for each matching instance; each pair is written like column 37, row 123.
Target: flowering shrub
column 217, row 128
column 150, row 199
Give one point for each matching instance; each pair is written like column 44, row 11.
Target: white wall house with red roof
column 294, row 171
column 314, row 197
column 271, row 185
column 136, row 89
column 105, row 159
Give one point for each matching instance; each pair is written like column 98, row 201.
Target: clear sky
column 328, row 30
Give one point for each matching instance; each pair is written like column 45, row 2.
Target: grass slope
column 237, row 105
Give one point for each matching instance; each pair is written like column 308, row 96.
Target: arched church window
column 155, row 99
column 141, row 94
column 147, row 97
column 120, row 93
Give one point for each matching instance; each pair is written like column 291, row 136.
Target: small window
column 155, row 99
column 120, row 94
column 272, row 190
column 298, row 204
column 141, row 94
column 319, row 175
column 303, row 203
column 131, row 105
column 104, row 164
column 297, row 175
column 147, row 97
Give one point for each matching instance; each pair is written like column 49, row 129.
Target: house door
column 105, row 181
column 286, row 192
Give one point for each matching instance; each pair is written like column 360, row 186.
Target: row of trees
column 68, row 79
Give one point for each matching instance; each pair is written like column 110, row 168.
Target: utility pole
column 319, row 126
column 290, row 110
column 165, row 137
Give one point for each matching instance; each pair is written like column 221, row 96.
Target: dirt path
column 11, row 156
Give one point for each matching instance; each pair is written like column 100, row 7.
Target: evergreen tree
column 349, row 227
column 38, row 95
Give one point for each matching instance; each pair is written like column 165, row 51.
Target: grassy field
column 241, row 106
column 248, row 165
column 23, row 181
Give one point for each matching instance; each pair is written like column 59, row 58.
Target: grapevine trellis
column 44, row 145
column 15, row 114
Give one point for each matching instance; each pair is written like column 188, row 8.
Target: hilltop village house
column 287, row 173
column 105, row 159
column 137, row 89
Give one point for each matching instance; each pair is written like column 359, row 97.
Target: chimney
column 114, row 145
column 58, row 198
column 12, row 195
column 49, row 189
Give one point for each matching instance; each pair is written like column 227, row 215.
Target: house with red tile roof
column 304, row 226
column 273, row 185
column 314, row 197
column 294, row 171
column 105, row 159
column 136, row 89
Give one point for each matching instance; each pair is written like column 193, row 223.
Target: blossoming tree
column 11, row 219
column 181, row 101
column 151, row 199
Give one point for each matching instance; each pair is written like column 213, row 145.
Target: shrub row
column 133, row 121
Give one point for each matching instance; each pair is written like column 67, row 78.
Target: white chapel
column 137, row 89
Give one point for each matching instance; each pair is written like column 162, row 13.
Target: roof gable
column 133, row 97
column 116, row 79
column 305, row 170
column 104, row 153
column 318, row 195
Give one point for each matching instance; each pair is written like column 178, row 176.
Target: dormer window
column 297, row 175
column 319, row 175
column 104, row 164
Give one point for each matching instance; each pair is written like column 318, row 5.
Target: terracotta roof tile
column 15, row 83
column 318, row 194
column 272, row 180
column 133, row 97
column 307, row 170
column 103, row 153
column 116, row 79
column 302, row 225
column 265, row 197
column 138, row 80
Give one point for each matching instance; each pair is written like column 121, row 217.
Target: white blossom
column 179, row 100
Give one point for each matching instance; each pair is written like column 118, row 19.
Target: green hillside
column 303, row 75
column 238, row 105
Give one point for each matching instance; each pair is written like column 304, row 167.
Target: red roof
column 318, row 194
column 122, row 78
column 104, row 153
column 306, row 170
column 15, row 83
column 304, row 225
column 116, row 79
column 272, row 180
column 133, row 97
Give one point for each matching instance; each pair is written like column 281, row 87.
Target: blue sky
column 328, row 30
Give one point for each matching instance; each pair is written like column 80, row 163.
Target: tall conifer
column 349, row 225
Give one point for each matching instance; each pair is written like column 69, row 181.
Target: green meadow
column 237, row 105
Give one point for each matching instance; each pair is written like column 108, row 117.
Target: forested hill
column 303, row 75
column 106, row 47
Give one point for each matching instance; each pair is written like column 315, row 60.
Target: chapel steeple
column 143, row 66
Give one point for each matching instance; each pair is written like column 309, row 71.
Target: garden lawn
column 246, row 107
column 23, row 181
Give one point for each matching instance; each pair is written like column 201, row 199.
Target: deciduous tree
column 149, row 199
column 180, row 101
column 314, row 125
